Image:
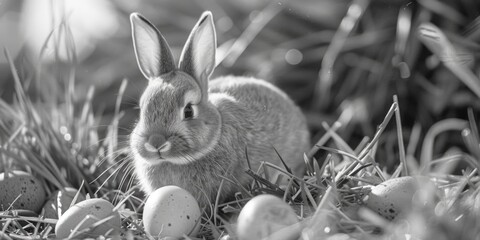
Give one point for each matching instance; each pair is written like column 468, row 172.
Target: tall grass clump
column 47, row 131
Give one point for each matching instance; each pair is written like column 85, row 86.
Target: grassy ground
column 390, row 84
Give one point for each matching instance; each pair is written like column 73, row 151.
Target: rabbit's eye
column 188, row 112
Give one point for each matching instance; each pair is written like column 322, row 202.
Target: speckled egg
column 87, row 214
column 60, row 201
column 267, row 217
column 390, row 198
column 23, row 184
column 171, row 211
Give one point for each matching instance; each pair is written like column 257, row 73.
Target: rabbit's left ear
column 198, row 55
column 153, row 54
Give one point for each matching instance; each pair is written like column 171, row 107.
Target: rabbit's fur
column 195, row 146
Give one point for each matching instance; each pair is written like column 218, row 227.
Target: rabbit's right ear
column 198, row 54
column 153, row 54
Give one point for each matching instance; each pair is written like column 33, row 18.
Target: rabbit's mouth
column 156, row 149
column 160, row 149
column 154, row 155
column 157, row 155
column 158, row 160
column 154, row 158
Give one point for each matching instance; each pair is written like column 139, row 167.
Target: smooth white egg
column 267, row 217
column 96, row 213
column 171, row 211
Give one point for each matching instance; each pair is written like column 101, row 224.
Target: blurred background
column 340, row 60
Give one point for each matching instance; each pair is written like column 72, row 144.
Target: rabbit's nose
column 156, row 140
column 157, row 143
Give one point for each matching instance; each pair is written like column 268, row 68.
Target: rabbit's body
column 250, row 124
column 196, row 133
column 269, row 120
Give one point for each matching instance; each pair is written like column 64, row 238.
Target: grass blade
column 438, row 43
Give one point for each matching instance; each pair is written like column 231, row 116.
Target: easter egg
column 60, row 201
column 390, row 198
column 171, row 211
column 267, row 217
column 96, row 214
column 21, row 190
column 339, row 236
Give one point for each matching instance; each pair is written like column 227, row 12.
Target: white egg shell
column 339, row 236
column 267, row 217
column 390, row 198
column 18, row 183
column 86, row 214
column 171, row 211
column 60, row 201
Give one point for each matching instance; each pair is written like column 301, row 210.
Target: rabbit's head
column 177, row 123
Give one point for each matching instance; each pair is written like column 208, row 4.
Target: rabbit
column 196, row 133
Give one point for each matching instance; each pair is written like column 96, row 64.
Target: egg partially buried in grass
column 21, row 190
column 267, row 217
column 60, row 201
column 171, row 211
column 392, row 197
column 96, row 214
